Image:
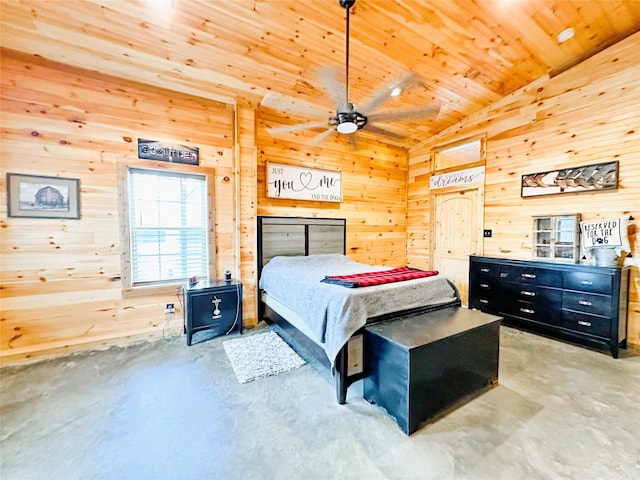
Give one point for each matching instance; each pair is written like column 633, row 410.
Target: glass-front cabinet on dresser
column 556, row 238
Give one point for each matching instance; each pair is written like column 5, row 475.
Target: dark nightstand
column 215, row 305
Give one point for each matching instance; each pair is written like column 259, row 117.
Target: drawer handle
column 586, row 282
column 527, row 310
column 585, row 303
column 484, row 285
column 584, row 324
column 484, row 270
column 482, row 300
column 529, row 294
column 528, row 275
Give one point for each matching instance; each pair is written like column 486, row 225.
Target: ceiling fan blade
column 354, row 141
column 286, row 104
column 331, row 84
column 318, row 139
column 383, row 131
column 405, row 114
column 276, row 131
column 382, row 94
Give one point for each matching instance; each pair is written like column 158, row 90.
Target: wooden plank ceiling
column 468, row 53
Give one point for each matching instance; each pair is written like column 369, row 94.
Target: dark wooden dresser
column 583, row 304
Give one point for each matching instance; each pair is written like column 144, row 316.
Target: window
column 167, row 227
column 471, row 151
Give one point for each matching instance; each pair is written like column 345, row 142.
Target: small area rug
column 260, row 355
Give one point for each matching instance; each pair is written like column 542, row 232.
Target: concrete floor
column 162, row 410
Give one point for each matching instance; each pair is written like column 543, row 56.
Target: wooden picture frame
column 587, row 178
column 42, row 197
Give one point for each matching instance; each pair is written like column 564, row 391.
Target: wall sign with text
column 167, row 152
column 602, row 233
column 467, row 176
column 301, row 183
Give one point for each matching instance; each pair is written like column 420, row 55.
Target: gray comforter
column 333, row 313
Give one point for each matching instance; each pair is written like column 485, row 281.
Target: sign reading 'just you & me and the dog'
column 301, row 183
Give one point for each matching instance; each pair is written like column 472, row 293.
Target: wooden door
column 458, row 217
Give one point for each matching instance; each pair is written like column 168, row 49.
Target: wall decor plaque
column 167, row 152
column 302, row 183
column 588, row 178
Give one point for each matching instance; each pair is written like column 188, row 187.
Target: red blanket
column 377, row 278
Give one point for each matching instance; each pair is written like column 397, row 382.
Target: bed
column 324, row 319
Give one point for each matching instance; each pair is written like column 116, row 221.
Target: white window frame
column 128, row 286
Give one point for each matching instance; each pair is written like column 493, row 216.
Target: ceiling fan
column 348, row 118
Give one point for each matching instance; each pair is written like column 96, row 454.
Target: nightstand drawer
column 586, row 303
column 214, row 309
column 588, row 282
column 592, row 324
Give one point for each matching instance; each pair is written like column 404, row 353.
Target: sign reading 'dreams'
column 459, row 177
column 167, row 152
column 603, row 233
column 300, row 183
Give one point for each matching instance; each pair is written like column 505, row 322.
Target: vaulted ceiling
column 468, row 53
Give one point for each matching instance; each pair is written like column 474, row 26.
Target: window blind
column 168, row 225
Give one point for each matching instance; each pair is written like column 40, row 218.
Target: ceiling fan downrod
column 348, row 119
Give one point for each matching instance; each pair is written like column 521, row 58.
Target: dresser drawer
column 582, row 322
column 587, row 303
column 531, row 275
column 480, row 270
column 543, row 312
column 588, row 282
column 533, row 294
column 485, row 302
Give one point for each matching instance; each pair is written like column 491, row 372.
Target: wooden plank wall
column 60, row 291
column 373, row 189
column 588, row 114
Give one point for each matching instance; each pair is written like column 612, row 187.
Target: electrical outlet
column 488, row 233
column 169, row 308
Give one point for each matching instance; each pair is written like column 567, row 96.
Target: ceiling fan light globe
column 347, row 127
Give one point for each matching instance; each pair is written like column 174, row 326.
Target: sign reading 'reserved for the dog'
column 301, row 183
column 601, row 233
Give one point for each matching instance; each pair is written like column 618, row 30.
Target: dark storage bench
column 419, row 366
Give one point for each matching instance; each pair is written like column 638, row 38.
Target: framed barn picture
column 42, row 197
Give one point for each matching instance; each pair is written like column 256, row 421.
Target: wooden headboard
column 299, row 236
